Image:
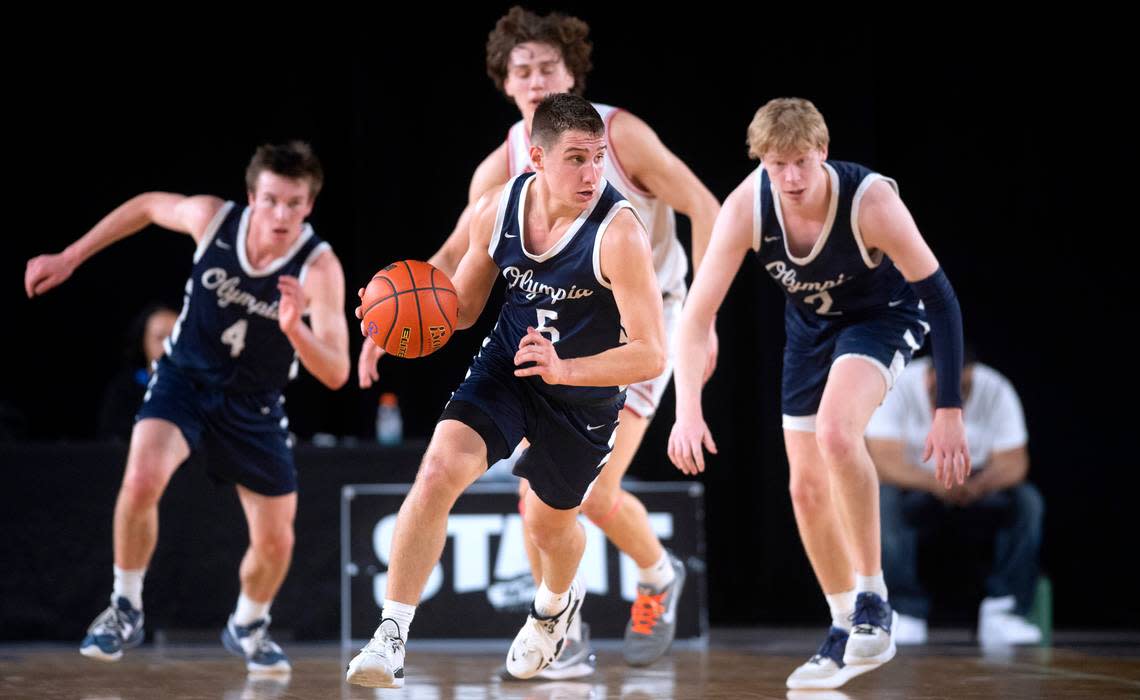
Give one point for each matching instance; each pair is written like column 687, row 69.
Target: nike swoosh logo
column 893, row 304
column 595, row 427
column 769, row 239
column 223, row 245
column 507, row 235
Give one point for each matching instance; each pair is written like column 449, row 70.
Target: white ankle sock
column 128, row 584
column 249, row 611
column 401, row 613
column 842, row 606
column 871, row 584
column 548, row 603
column 659, row 575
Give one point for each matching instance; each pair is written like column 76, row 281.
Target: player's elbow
column 337, row 377
column 655, row 360
column 466, row 316
column 656, row 369
column 148, row 204
column 706, row 208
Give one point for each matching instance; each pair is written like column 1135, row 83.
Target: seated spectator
column 996, row 496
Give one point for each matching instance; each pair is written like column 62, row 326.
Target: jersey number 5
column 545, row 315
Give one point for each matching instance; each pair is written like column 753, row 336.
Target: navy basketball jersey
column 560, row 292
column 839, row 276
column 669, row 261
column 227, row 334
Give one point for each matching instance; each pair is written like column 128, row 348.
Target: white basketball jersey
column 668, row 256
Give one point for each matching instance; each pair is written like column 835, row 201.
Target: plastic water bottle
column 389, row 424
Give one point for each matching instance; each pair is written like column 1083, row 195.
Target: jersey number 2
column 824, row 303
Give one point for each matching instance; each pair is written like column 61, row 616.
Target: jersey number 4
column 234, row 336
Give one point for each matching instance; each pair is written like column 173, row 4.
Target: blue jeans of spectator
column 1014, row 516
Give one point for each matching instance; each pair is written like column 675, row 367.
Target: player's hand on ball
column 537, row 348
column 409, row 309
column 359, row 312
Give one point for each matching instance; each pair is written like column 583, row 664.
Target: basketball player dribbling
column 580, row 280
column 530, row 56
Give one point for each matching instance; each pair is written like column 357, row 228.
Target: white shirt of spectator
column 992, row 414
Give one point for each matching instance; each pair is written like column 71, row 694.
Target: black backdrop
column 1008, row 140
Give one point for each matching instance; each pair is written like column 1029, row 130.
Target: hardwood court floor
column 736, row 664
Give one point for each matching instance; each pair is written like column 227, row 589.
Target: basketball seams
column 394, row 316
column 386, row 297
column 419, row 310
column 395, row 291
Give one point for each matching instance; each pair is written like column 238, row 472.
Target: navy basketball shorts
column 569, row 443
column 244, row 437
column 887, row 339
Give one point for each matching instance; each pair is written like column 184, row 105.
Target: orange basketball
column 410, row 309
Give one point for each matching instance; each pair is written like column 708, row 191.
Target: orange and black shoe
column 653, row 619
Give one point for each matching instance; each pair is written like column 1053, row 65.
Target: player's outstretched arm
column 491, row 173
column 650, row 163
column 731, row 239
column 190, row 215
column 886, row 225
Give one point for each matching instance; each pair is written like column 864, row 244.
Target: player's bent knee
column 835, row 443
column 142, row 487
column 446, row 475
column 548, row 527
column 550, row 534
column 275, row 545
column 601, row 504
